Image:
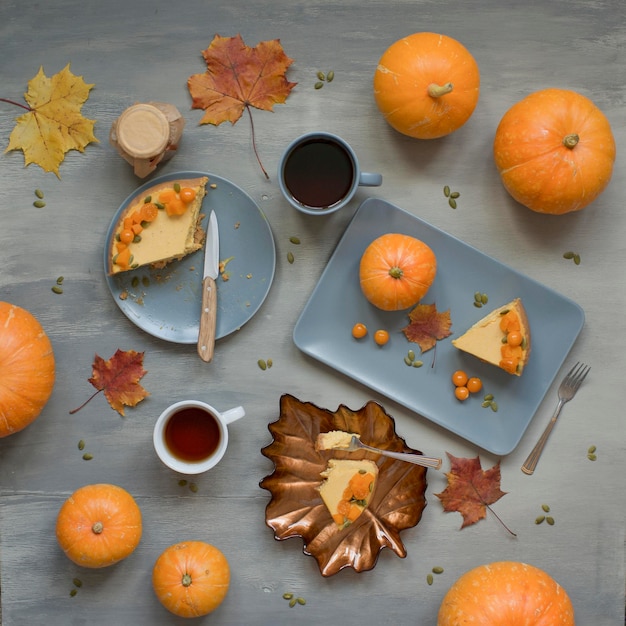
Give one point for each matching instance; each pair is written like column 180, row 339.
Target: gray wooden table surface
column 141, row 50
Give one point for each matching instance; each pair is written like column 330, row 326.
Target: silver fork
column 567, row 390
column 417, row 459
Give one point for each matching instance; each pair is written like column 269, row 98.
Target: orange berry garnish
column 461, row 393
column 459, row 378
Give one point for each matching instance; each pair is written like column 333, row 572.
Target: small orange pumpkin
column 555, row 151
column 99, row 525
column 506, row 593
column 191, row 578
column 426, row 85
column 27, row 368
column 396, row 271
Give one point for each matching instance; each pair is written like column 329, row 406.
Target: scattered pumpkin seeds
column 39, row 204
column 410, row 360
column 489, row 402
column 592, row 457
column 293, row 600
column 324, row 78
column 290, row 257
column 573, row 256
column 480, row 299
column 39, row 193
column 591, row 449
column 451, row 195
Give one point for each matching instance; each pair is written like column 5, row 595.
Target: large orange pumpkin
column 554, row 151
column 191, row 578
column 396, row 271
column 27, row 368
column 426, row 85
column 99, row 525
column 506, row 593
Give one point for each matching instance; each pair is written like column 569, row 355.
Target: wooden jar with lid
column 147, row 134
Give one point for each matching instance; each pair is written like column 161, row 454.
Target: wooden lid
column 143, row 131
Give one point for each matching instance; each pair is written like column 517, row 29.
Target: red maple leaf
column 238, row 77
column 471, row 490
column 427, row 326
column 119, row 379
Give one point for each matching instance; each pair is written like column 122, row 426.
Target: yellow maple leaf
column 54, row 124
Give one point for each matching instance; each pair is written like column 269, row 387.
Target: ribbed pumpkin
column 427, row 85
column 506, row 593
column 191, row 578
column 27, row 368
column 554, row 151
column 396, row 271
column 99, row 525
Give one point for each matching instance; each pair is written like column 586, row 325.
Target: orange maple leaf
column 53, row 124
column 426, row 326
column 471, row 490
column 119, row 379
column 238, row 77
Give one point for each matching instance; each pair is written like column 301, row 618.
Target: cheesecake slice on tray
column 501, row 338
column 160, row 225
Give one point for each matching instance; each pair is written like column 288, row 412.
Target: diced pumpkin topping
column 123, row 258
column 354, row 499
column 512, row 343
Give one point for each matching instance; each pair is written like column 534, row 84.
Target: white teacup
column 191, row 437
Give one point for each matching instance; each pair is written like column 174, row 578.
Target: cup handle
column 233, row 414
column 369, row 179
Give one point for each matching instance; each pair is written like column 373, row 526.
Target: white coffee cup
column 191, row 437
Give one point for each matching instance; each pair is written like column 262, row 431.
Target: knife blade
column 208, row 313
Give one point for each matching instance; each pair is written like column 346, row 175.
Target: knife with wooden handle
column 208, row 313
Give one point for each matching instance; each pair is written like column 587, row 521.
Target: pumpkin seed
column 546, row 508
column 550, row 520
column 319, row 84
column 57, row 289
column 494, row 406
column 39, row 204
column 477, row 304
column 568, row 255
column 540, row 519
column 452, row 203
column 489, row 396
column 73, row 592
column 262, row 364
column 295, row 240
column 145, row 281
column 418, row 363
column 87, row 456
column 592, row 457
column 290, row 257
column 287, row 596
column 177, row 187
column 478, row 296
column 60, row 280
column 301, row 601
column 408, row 361
column 321, row 75
column 446, row 191
column 159, row 205
column 455, row 194
column 484, row 298
column 486, row 403
column 193, row 487
column 430, row 579
column 577, row 259
column 81, row 444
column 437, row 570
column 39, row 193
column 292, row 602
column 182, row 482
column 134, row 282
column 591, row 449
column 77, row 582
column 147, row 199
column 411, row 355
column 269, row 363
column 330, row 76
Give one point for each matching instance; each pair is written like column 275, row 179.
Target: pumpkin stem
column 436, row 91
column 186, row 580
column 571, row 141
column 396, row 272
column 97, row 528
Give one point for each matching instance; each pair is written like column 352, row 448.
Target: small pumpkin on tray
column 296, row 508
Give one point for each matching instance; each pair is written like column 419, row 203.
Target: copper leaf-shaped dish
column 296, row 508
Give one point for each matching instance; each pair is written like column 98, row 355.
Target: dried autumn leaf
column 296, row 508
column 471, row 490
column 53, row 124
column 238, row 77
column 119, row 379
column 427, row 326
